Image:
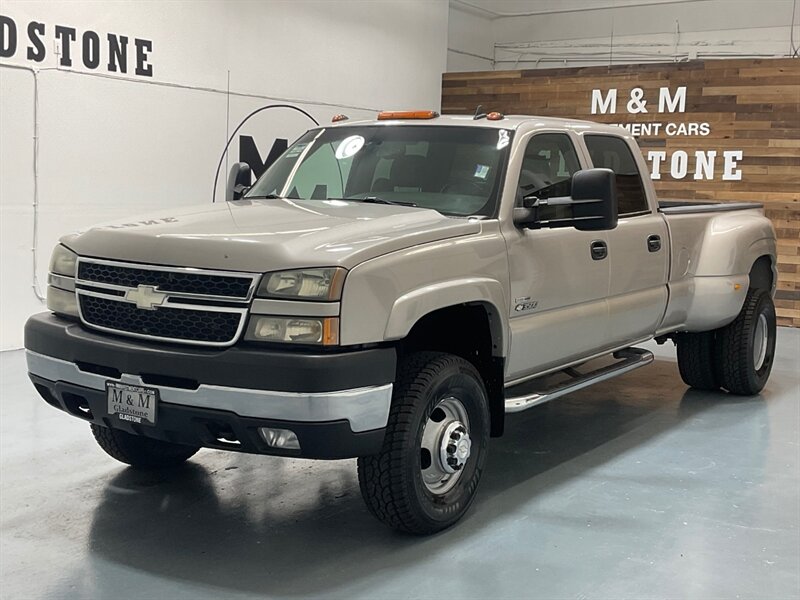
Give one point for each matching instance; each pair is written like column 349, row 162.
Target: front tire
column 745, row 349
column 425, row 477
column 139, row 451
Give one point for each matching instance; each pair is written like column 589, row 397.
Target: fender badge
column 529, row 305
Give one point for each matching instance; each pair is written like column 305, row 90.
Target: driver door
column 559, row 287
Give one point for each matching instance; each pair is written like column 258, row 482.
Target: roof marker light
column 494, row 116
column 387, row 115
column 337, row 118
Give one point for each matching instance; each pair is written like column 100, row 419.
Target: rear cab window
column 611, row 152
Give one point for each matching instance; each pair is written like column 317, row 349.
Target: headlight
column 63, row 261
column 299, row 330
column 303, row 284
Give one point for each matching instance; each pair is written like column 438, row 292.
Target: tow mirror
column 591, row 207
column 239, row 181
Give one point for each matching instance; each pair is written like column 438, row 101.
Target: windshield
column 454, row 170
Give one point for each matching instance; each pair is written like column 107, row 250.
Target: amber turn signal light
column 387, row 115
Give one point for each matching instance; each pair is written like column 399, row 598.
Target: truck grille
column 173, row 323
column 170, row 304
column 189, row 282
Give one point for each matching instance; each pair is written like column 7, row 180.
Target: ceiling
column 513, row 8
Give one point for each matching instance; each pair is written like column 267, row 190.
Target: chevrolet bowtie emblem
column 146, row 297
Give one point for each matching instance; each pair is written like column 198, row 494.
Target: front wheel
column 425, row 477
column 141, row 452
column 745, row 349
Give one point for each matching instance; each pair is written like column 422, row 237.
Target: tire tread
column 696, row 360
column 140, row 451
column 733, row 352
column 385, row 486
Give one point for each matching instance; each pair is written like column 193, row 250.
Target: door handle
column 599, row 250
column 654, row 243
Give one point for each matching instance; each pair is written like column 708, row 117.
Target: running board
column 627, row 360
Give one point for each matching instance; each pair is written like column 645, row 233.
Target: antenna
column 227, row 115
column 235, row 131
column 480, row 113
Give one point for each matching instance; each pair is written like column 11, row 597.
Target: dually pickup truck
column 391, row 290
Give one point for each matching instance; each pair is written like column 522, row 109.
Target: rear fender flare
column 732, row 244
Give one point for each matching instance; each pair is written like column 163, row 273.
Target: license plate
column 132, row 403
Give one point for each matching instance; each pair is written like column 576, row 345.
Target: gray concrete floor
column 636, row 488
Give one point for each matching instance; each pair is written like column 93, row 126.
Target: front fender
column 384, row 297
column 412, row 306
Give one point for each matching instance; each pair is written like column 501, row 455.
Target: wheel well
column 761, row 275
column 465, row 330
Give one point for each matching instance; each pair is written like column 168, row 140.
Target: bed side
column 715, row 251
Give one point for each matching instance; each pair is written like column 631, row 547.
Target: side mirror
column 593, row 204
column 239, row 181
column 594, row 195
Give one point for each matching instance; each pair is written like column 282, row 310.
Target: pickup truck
column 391, row 290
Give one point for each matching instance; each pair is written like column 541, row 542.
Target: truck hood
column 268, row 235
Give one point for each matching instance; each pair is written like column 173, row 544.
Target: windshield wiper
column 375, row 200
column 264, row 197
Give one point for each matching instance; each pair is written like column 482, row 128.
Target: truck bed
column 677, row 207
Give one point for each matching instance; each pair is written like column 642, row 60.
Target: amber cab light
column 494, row 116
column 387, row 115
column 337, row 118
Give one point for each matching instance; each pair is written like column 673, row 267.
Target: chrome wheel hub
column 455, row 447
column 446, row 446
column 760, row 340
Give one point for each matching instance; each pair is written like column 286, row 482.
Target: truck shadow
column 258, row 524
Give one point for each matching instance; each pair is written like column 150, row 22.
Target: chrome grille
column 188, row 281
column 173, row 323
column 192, row 306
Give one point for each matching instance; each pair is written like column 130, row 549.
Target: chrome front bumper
column 365, row 408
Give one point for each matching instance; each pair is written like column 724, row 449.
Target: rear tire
column 438, row 423
column 696, row 360
column 139, row 451
column 745, row 349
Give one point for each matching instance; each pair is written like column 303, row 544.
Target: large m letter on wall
column 248, row 152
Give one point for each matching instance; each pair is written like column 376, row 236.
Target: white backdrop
column 113, row 145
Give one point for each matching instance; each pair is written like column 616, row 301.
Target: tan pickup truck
column 391, row 290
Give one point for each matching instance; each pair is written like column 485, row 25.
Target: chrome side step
column 627, row 360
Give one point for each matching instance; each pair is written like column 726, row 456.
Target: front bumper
column 337, row 404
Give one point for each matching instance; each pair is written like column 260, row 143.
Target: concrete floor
column 634, row 488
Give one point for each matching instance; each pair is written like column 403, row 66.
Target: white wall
column 112, row 145
column 470, row 38
column 548, row 34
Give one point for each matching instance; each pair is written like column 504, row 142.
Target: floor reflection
column 299, row 527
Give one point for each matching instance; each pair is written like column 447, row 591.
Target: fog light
column 279, row 438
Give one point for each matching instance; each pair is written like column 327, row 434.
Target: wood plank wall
column 749, row 105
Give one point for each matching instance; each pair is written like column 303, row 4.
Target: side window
column 613, row 153
column 548, row 165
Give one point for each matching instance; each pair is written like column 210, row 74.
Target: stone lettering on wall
column 698, row 165
column 110, row 52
